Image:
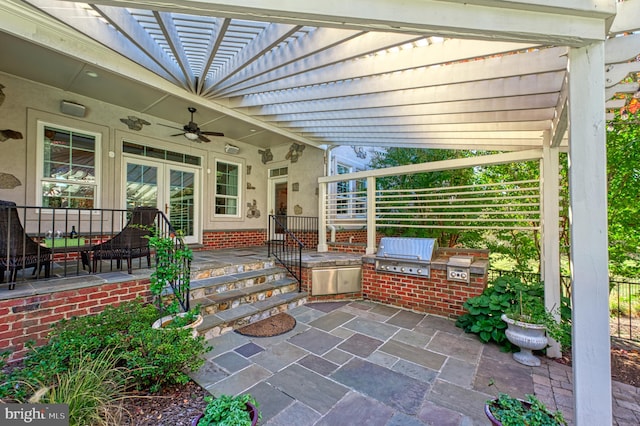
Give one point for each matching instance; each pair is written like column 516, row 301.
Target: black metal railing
column 61, row 242
column 624, row 301
column 624, row 308
column 180, row 284
column 285, row 246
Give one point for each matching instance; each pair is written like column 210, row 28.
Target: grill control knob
column 401, row 269
column 419, row 271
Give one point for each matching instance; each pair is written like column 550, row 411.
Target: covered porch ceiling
column 486, row 75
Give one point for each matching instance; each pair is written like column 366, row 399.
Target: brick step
column 207, row 287
column 220, row 301
column 230, row 319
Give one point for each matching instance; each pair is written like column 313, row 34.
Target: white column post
column 371, row 215
column 322, row 217
column 550, row 230
column 588, row 219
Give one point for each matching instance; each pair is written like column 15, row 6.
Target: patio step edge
column 211, row 286
column 218, row 302
column 223, row 322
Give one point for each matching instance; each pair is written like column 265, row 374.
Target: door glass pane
column 142, row 186
column 181, row 201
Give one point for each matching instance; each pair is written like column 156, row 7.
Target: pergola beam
column 561, row 22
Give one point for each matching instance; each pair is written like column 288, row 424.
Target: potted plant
column 506, row 410
column 172, row 271
column 528, row 325
column 226, row 410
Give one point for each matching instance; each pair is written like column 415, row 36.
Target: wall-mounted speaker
column 72, row 108
column 231, row 149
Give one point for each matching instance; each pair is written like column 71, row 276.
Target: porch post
column 550, row 237
column 371, row 215
column 322, row 217
column 588, row 219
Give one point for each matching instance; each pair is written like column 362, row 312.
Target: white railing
column 512, row 205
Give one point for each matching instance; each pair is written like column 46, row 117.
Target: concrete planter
column 164, row 321
column 527, row 337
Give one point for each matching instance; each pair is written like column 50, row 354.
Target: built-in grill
column 410, row 256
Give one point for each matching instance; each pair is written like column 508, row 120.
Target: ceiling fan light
column 191, row 136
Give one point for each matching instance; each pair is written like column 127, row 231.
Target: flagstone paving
column 363, row 363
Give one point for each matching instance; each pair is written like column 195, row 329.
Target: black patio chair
column 17, row 249
column 130, row 243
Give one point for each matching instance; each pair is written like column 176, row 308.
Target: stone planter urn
column 527, row 337
column 164, row 322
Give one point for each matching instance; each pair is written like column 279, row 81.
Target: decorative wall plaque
column 253, row 211
column 297, row 209
column 295, row 151
column 9, row 181
column 266, row 155
column 134, row 123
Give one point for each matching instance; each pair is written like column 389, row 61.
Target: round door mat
column 272, row 326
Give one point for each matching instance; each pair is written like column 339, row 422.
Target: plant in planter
column 172, row 271
column 502, row 295
column 226, row 410
column 529, row 323
column 506, row 410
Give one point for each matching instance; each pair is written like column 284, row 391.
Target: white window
column 68, row 167
column 227, row 196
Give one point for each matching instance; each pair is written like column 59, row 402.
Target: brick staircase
column 241, row 293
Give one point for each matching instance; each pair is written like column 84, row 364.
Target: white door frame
column 163, row 196
column 271, row 201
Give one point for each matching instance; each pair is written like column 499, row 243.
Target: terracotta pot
column 162, row 322
column 253, row 413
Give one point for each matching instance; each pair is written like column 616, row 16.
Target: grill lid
column 416, row 249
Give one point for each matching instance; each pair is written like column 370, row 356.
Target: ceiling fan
column 191, row 130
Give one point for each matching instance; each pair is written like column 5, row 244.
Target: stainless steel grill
column 410, row 256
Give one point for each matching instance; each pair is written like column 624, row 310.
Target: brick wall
column 434, row 295
column 347, row 247
column 230, row 239
column 30, row 318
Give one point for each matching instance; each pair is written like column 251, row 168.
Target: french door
column 171, row 188
column 277, row 203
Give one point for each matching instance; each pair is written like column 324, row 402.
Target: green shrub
column 155, row 358
column 501, row 296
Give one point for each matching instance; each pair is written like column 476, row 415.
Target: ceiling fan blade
column 204, row 138
column 178, row 134
column 172, row 127
column 213, row 133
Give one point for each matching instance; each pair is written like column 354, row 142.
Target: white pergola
column 503, row 75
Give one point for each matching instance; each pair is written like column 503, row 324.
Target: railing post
column 371, row 215
column 269, row 220
column 322, row 217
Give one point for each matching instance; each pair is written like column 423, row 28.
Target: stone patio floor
column 363, row 363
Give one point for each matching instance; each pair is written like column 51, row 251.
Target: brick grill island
column 436, row 294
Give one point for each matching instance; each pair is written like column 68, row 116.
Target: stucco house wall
column 27, row 102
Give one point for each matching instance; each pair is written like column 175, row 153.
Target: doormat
column 268, row 327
